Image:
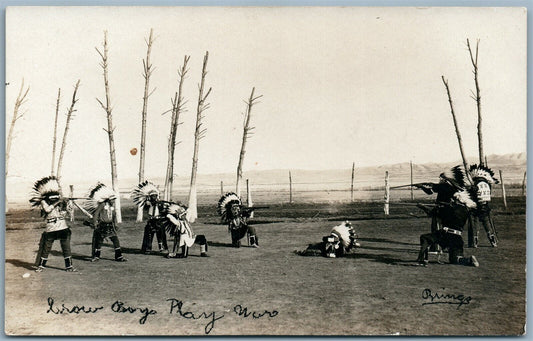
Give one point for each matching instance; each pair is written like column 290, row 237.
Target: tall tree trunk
column 247, row 131
column 177, row 109
column 16, row 115
column 457, row 132
column 52, row 172
column 21, row 99
column 147, row 72
column 110, row 129
column 477, row 98
column 70, row 111
column 199, row 133
column 168, row 171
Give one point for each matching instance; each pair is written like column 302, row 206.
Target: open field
column 308, row 186
column 379, row 291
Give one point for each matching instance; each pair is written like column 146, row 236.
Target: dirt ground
column 271, row 290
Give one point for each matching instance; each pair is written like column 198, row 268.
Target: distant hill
column 513, row 167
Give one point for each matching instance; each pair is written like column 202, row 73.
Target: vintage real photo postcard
column 265, row 171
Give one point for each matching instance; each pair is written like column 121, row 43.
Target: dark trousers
column 153, row 227
column 453, row 242
column 238, row 233
column 200, row 240
column 98, row 240
column 481, row 216
column 48, row 238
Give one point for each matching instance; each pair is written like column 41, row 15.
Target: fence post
column 412, row 194
column 351, row 189
column 290, row 188
column 503, row 191
column 221, row 187
column 249, row 197
column 387, row 193
column 72, row 206
column 524, row 185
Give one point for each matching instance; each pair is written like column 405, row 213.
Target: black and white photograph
column 265, row 171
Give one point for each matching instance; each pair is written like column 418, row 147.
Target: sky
column 338, row 85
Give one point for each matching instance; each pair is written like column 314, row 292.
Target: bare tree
column 199, row 133
column 21, row 99
column 477, row 97
column 247, row 132
column 110, row 129
column 70, row 111
column 52, row 172
column 457, row 132
column 177, row 108
column 147, row 72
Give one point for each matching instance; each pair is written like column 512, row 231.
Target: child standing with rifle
column 101, row 204
column 483, row 178
column 46, row 194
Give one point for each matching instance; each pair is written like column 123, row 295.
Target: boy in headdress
column 147, row 194
column 178, row 227
column 46, row 194
column 341, row 241
column 452, row 209
column 450, row 182
column 101, row 204
column 483, row 178
column 231, row 212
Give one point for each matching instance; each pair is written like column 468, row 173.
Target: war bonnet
column 45, row 188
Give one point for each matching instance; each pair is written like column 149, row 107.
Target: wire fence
column 306, row 187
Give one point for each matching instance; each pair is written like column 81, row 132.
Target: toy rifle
column 84, row 211
column 425, row 186
column 253, row 208
column 417, row 185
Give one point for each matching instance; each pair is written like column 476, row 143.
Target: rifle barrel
column 401, row 186
column 412, row 185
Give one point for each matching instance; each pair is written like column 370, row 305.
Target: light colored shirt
column 104, row 213
column 483, row 192
column 153, row 210
column 187, row 237
column 55, row 217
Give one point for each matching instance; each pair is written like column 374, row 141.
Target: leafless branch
column 110, row 128
column 102, row 104
column 101, row 55
column 70, row 112
column 456, row 125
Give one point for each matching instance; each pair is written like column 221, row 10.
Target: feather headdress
column 224, row 206
column 344, row 231
column 142, row 192
column 456, row 176
column 98, row 194
column 465, row 198
column 175, row 209
column 47, row 187
column 482, row 172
